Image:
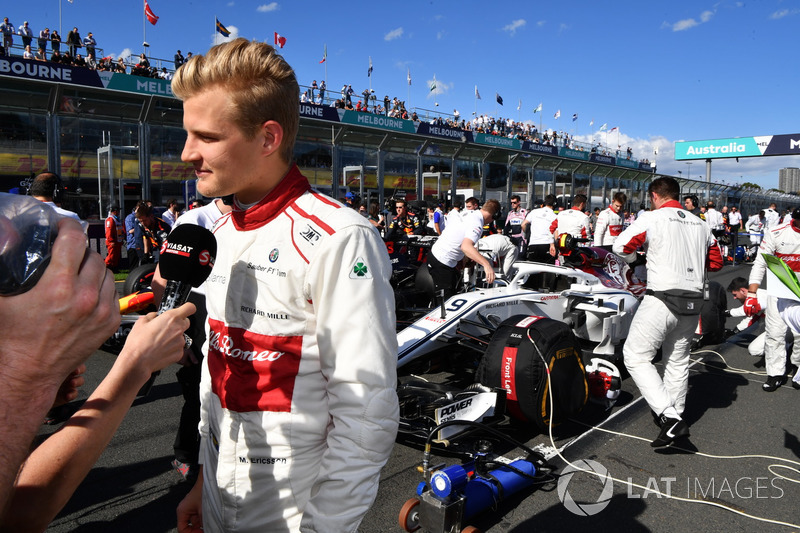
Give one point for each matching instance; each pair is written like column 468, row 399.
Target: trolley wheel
column 470, row 529
column 409, row 515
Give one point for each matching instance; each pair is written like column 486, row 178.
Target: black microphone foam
column 188, row 254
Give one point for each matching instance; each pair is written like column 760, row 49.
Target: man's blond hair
column 261, row 84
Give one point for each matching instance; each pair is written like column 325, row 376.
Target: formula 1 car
column 552, row 318
column 596, row 297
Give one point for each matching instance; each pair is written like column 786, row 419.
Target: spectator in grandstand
column 314, row 88
column 26, row 33
column 66, row 58
column 8, row 31
column 90, row 43
column 349, row 96
column 28, row 53
column 322, row 88
column 40, row 55
column 178, row 60
column 44, row 36
column 55, row 57
column 121, row 66
column 79, row 61
column 74, row 41
column 55, row 41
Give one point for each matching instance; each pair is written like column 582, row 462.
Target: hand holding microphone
column 185, row 261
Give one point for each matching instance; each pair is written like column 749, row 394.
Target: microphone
column 185, row 261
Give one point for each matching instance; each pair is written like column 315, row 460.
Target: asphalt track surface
column 132, row 488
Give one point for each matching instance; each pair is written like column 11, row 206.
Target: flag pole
column 144, row 31
column 60, row 27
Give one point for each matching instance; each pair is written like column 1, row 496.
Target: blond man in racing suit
column 299, row 410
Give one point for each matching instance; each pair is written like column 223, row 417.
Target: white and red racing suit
column 679, row 246
column 782, row 241
column 299, row 409
column 608, row 227
column 572, row 221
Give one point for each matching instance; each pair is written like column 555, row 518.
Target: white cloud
column 562, row 27
column 514, row 26
column 441, row 88
column 685, row 24
column 231, row 4
column 440, row 34
column 541, row 23
column 266, row 8
column 125, row 54
column 394, row 34
column 784, row 13
column 217, row 38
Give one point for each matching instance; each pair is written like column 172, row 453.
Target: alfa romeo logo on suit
column 585, row 509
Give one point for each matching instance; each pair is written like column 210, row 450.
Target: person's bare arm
column 48, row 332
column 471, row 252
column 54, row 470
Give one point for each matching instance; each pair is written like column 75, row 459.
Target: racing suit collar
column 672, row 203
column 289, row 189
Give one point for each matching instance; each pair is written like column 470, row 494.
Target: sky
column 659, row 71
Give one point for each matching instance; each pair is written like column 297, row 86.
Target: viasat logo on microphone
column 176, row 248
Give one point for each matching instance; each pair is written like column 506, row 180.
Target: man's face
column 740, row 295
column 514, row 204
column 225, row 162
column 401, row 210
column 688, row 203
column 616, row 206
column 471, row 206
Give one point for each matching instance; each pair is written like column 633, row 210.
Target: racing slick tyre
column 409, row 515
column 517, row 360
column 140, row 278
